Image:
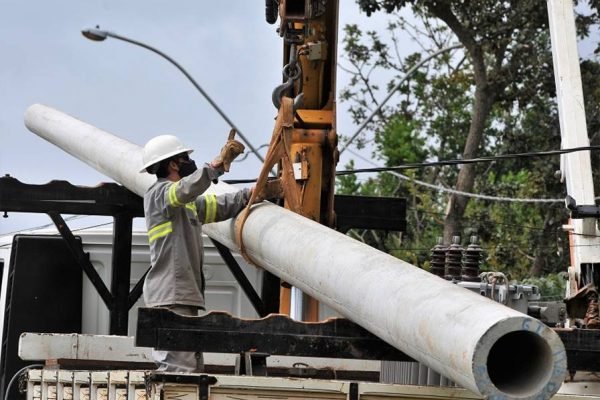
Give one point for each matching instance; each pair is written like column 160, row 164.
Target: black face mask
column 187, row 168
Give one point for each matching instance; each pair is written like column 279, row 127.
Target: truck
column 489, row 350
column 86, row 364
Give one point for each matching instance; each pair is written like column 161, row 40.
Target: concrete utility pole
column 576, row 168
column 482, row 345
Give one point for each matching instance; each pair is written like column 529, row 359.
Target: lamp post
column 99, row 35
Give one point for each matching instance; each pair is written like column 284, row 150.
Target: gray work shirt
column 175, row 213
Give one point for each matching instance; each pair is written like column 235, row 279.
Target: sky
column 131, row 92
column 226, row 46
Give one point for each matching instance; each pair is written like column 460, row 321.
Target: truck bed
column 48, row 384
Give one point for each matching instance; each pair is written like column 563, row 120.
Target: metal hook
column 281, row 90
column 291, row 72
column 298, row 101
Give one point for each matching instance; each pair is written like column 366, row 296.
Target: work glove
column 229, row 152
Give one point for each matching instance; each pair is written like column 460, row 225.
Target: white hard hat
column 161, row 148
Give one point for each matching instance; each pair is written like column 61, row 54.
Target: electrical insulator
column 471, row 261
column 438, row 258
column 453, row 260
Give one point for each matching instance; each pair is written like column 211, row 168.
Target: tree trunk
column 484, row 100
column 539, row 262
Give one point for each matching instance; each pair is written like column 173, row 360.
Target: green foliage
column 423, row 227
column 551, row 286
column 347, row 184
column 400, row 142
column 516, row 236
column 590, row 74
column 506, row 61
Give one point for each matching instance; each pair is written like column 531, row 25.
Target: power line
column 466, row 194
column 467, row 160
column 74, row 217
column 393, row 171
column 92, row 226
column 6, row 245
column 541, row 230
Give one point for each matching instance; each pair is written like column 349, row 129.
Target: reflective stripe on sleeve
column 210, row 205
column 192, row 206
column 159, row 231
column 173, row 200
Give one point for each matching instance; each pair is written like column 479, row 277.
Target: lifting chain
column 291, row 73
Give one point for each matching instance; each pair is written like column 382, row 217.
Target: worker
column 175, row 211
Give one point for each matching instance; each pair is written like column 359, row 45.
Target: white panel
column 222, row 296
column 222, row 290
column 94, row 314
column 46, row 346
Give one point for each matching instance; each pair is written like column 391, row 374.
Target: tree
column 428, row 123
column 506, row 44
column 437, row 105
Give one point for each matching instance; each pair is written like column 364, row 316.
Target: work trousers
column 179, row 361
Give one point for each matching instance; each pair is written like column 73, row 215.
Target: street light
column 99, row 35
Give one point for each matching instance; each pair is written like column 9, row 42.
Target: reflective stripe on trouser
column 179, row 361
